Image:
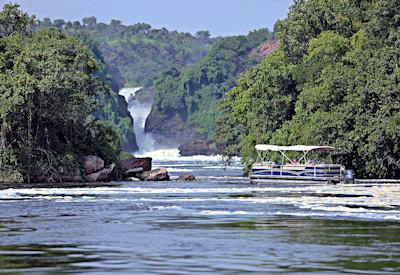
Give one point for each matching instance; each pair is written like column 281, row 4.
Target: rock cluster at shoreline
column 140, row 169
column 93, row 170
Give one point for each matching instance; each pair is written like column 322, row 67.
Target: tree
column 204, row 35
column 89, row 21
column 115, row 24
column 59, row 23
column 13, row 21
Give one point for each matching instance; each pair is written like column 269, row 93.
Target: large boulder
column 92, row 164
column 102, row 175
column 186, row 177
column 160, row 174
column 133, row 163
column 132, row 172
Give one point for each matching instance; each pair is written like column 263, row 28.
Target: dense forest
column 49, row 92
column 186, row 99
column 139, row 52
column 334, row 80
column 130, row 56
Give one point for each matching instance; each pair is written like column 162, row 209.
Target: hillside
column 131, row 56
column 138, row 51
column 186, row 99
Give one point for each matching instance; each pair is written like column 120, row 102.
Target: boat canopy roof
column 297, row 148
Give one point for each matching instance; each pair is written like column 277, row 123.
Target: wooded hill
column 131, row 55
column 334, row 81
column 187, row 73
column 138, row 51
column 186, row 99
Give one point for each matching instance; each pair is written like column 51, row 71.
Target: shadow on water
column 40, row 258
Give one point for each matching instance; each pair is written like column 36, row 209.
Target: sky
column 220, row 17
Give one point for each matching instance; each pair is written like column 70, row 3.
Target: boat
column 284, row 168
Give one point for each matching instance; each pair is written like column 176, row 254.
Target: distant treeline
column 138, row 51
column 334, row 81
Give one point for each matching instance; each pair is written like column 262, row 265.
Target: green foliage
column 138, row 51
column 193, row 93
column 131, row 56
column 48, row 93
column 13, row 21
column 340, row 62
column 263, row 99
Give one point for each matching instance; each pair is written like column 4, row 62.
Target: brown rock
column 92, row 164
column 186, row 177
column 133, row 163
column 132, row 172
column 265, row 49
column 102, row 175
column 160, row 174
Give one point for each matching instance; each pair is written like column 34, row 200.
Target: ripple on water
column 219, row 224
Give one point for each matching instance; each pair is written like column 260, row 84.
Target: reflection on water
column 190, row 244
column 219, row 224
column 41, row 258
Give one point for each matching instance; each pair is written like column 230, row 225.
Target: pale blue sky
column 220, row 17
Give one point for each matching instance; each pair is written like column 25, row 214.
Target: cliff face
column 169, row 128
column 127, row 135
column 172, row 131
column 265, row 49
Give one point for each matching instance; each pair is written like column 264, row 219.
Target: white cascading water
column 139, row 111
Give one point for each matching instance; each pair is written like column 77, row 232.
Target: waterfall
column 139, row 110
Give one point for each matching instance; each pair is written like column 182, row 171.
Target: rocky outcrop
column 91, row 170
column 186, row 177
column 168, row 128
column 132, row 172
column 265, row 49
column 133, row 163
column 140, row 169
column 160, row 174
column 102, row 175
column 199, row 147
column 92, row 164
column 129, row 142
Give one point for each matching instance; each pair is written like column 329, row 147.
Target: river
column 218, row 224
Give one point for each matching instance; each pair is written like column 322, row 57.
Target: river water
column 218, row 224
